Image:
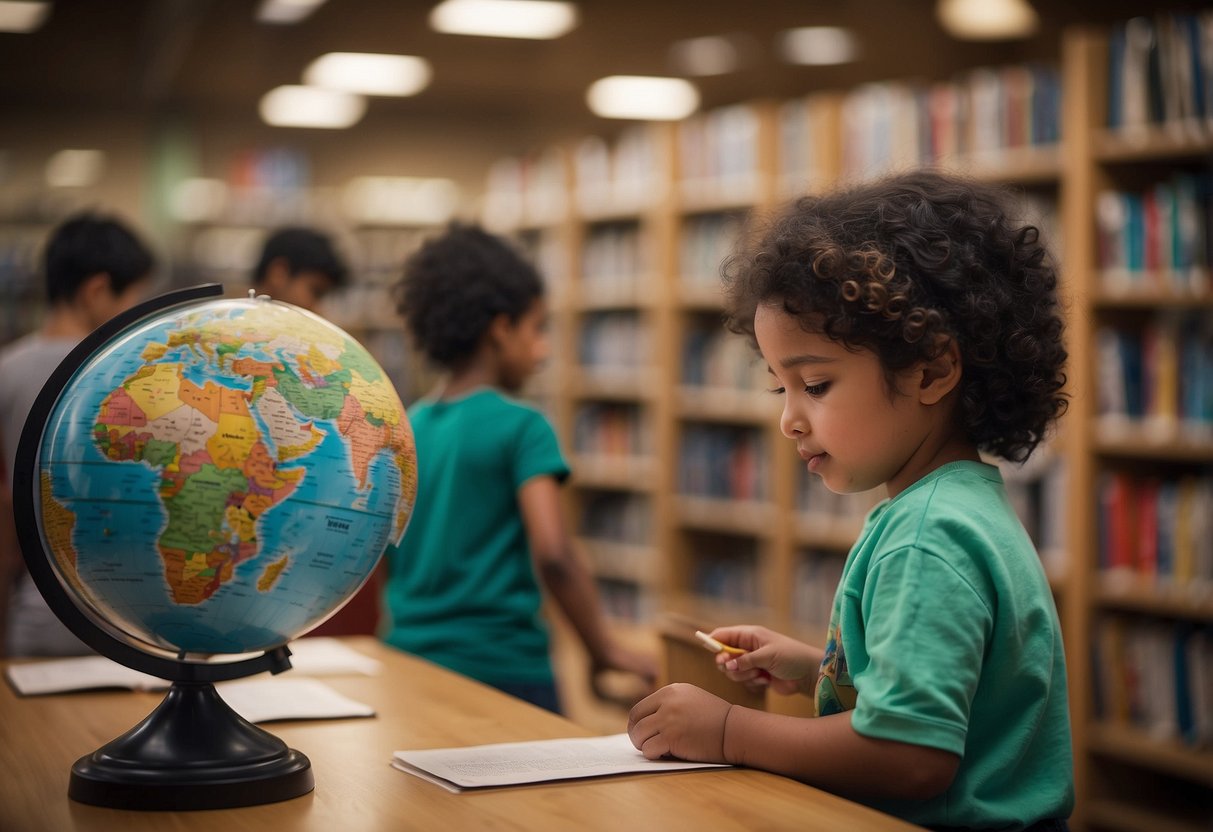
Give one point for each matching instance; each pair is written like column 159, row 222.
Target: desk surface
column 419, row 706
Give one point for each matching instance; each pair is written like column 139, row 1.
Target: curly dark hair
column 455, row 284
column 900, row 265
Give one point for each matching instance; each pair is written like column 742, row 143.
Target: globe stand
column 192, row 752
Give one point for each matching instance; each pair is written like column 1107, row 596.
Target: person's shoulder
column 959, row 496
column 510, row 406
column 34, row 348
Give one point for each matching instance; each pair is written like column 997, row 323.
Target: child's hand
column 680, row 720
column 772, row 659
column 622, row 660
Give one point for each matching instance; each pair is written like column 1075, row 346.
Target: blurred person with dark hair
column 95, row 267
column 299, row 266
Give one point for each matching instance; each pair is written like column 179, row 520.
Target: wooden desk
column 419, row 706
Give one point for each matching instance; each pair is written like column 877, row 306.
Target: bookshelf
column 739, row 532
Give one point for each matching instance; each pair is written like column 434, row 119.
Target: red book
column 1147, row 529
column 1151, row 255
column 1121, row 524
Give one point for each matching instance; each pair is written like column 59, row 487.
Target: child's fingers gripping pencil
column 715, row 646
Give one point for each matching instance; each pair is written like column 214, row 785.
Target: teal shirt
column 944, row 634
column 461, row 590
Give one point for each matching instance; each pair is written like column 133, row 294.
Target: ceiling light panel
column 22, row 18
column 369, row 73
column 284, row 12
column 299, row 106
column 818, row 45
column 714, row 55
column 534, row 19
column 642, row 97
column 987, row 19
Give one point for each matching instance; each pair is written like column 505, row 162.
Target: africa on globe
column 222, row 476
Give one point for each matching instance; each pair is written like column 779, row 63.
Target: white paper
column 263, row 700
column 79, row 673
column 511, row 763
column 323, row 656
column 309, row 657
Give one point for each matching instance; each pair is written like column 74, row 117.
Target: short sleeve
column 537, row 451
column 925, row 630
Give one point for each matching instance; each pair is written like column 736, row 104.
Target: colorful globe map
column 223, row 476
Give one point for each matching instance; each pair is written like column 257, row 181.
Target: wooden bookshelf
column 777, row 533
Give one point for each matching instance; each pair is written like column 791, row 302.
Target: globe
column 201, row 480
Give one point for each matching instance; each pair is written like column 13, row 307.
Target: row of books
column 818, row 504
column 617, row 340
column 526, row 191
column 1160, row 71
column 1157, row 530
column 547, row 251
column 720, row 145
column 616, row 516
column 1159, row 378
column 621, row 175
column 800, row 160
column 723, row 462
column 1158, row 238
column 712, row 357
column 625, row 600
column 617, row 253
column 897, row 124
column 705, row 243
column 814, row 582
column 1155, row 676
column 728, row 579
column 1037, row 491
column 608, row 429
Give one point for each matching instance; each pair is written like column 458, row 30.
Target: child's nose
column 791, row 423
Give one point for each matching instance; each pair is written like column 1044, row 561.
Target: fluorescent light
column 642, row 97
column 297, row 106
column 22, row 17
column 536, row 19
column 286, row 11
column 368, row 73
column 75, row 168
column 401, row 200
column 987, row 19
column 714, row 55
column 818, row 45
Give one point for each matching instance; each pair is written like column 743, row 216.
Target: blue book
column 1183, row 685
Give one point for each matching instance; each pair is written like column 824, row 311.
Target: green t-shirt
column 944, row 634
column 461, row 590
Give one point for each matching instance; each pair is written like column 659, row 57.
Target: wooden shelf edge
column 1138, row 748
column 746, row 517
column 1154, row 143
column 1122, row 816
column 1126, row 592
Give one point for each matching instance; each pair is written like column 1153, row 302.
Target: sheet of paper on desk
column 279, row 697
column 309, row 657
column 78, row 673
column 323, row 656
column 513, row 763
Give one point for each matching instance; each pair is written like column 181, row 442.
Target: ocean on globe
column 223, row 475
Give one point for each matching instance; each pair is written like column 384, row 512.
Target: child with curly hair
column 908, row 324
column 461, row 587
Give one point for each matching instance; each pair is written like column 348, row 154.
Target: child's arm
column 568, row 580
column 684, row 721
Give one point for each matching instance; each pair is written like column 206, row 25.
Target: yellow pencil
column 715, row 646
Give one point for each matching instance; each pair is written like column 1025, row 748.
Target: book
column 517, row 763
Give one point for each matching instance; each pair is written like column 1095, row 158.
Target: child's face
column 523, row 346
column 850, row 429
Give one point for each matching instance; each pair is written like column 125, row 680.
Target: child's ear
column 941, row 374
column 499, row 328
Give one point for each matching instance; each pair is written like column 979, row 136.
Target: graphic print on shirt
column 835, row 692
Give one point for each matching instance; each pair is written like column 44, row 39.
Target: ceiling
column 212, row 58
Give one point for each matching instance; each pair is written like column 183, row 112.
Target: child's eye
column 817, row 389
column 778, row 391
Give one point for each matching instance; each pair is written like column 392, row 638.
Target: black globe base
column 192, row 752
